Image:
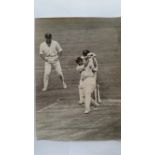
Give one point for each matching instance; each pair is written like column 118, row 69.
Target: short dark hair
column 85, row 52
column 48, row 35
column 78, row 59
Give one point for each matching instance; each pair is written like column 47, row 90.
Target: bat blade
column 98, row 94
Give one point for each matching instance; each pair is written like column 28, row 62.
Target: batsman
column 87, row 66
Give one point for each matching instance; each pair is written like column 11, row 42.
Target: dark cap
column 78, row 59
column 85, row 52
column 48, row 35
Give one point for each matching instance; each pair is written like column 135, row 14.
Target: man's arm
column 80, row 68
column 86, row 62
column 41, row 52
column 59, row 49
column 43, row 57
column 95, row 62
column 95, row 69
column 60, row 53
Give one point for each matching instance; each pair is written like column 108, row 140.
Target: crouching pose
column 87, row 82
column 50, row 51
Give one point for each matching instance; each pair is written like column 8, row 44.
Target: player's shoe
column 93, row 102
column 80, row 102
column 44, row 89
column 86, row 111
column 97, row 104
column 64, row 85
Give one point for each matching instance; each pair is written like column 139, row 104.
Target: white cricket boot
column 44, row 89
column 64, row 85
column 86, row 111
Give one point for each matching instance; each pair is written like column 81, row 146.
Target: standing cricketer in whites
column 92, row 56
column 50, row 51
column 87, row 67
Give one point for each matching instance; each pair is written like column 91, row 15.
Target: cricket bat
column 98, row 93
column 97, row 97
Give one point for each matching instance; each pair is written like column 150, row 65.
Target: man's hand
column 95, row 62
column 43, row 57
column 46, row 59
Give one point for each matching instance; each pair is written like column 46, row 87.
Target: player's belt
column 52, row 58
column 51, row 55
column 90, row 76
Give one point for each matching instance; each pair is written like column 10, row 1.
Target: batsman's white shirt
column 87, row 83
column 87, row 74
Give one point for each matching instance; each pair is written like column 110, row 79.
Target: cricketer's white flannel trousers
column 81, row 92
column 89, row 85
column 47, row 70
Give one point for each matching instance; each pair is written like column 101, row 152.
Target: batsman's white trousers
column 81, row 91
column 81, row 88
column 89, row 85
column 47, row 70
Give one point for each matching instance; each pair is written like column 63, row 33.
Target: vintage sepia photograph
column 78, row 79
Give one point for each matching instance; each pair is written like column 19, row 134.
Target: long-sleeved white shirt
column 87, row 71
